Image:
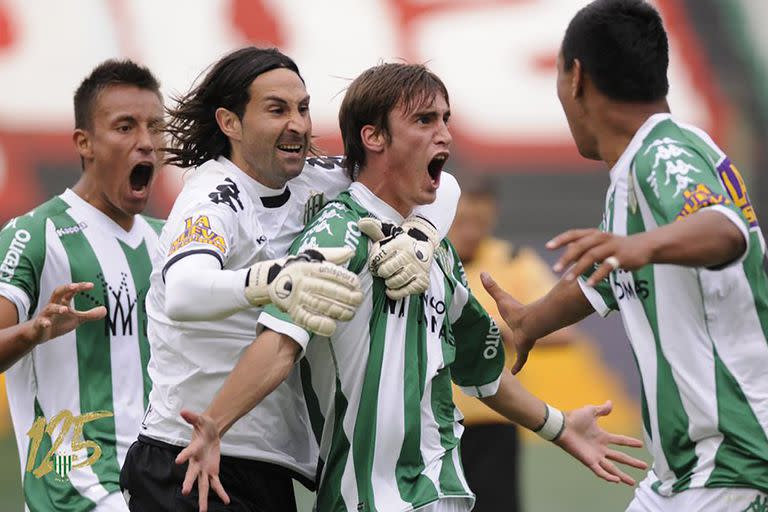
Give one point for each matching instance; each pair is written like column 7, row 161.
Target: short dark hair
column 108, row 73
column 374, row 94
column 195, row 134
column 622, row 46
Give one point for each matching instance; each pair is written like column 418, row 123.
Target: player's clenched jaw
column 271, row 141
column 121, row 151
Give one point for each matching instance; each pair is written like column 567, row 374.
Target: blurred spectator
column 490, row 449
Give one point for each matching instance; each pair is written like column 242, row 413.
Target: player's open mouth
column 290, row 148
column 436, row 165
column 141, row 174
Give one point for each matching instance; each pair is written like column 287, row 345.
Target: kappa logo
column 71, row 230
column 227, row 193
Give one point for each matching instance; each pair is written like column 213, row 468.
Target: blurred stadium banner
column 497, row 58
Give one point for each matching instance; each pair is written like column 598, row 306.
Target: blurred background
column 497, row 58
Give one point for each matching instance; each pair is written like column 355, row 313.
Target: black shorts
column 490, row 457
column 153, row 482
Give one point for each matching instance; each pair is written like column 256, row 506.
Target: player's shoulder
column 214, row 186
column 675, row 146
column 325, row 174
column 35, row 220
column 336, row 226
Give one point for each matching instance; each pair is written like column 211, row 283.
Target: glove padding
column 401, row 255
column 312, row 287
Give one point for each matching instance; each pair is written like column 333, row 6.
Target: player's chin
column 427, row 196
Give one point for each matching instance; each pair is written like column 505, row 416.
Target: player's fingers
column 602, row 473
column 340, row 293
column 327, row 306
column 577, row 249
column 189, row 477
column 627, row 459
column 594, row 255
column 336, row 255
column 371, row 228
column 219, row 489
column 520, row 360
column 603, row 409
column 318, row 324
column 89, row 315
column 496, row 292
column 73, row 289
column 417, row 285
column 611, row 468
column 567, row 237
column 190, row 417
column 202, row 490
column 622, row 440
column 329, row 272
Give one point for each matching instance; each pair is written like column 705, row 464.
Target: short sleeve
column 22, row 246
column 479, row 349
column 677, row 181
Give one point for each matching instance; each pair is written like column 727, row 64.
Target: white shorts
column 448, row 505
column 718, row 499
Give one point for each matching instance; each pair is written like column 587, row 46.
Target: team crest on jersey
column 699, row 198
column 227, row 193
column 62, row 465
column 734, row 185
column 444, row 258
column 313, row 205
column 198, row 231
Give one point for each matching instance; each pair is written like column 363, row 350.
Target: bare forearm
column 564, row 305
column 16, row 341
column 704, row 239
column 516, row 404
column 262, row 367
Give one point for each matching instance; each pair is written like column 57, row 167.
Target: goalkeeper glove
column 312, row 287
column 401, row 255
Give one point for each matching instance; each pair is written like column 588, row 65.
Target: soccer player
column 246, row 128
column 379, row 388
column 77, row 400
column 679, row 254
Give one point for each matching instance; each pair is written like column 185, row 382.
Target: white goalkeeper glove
column 312, row 287
column 401, row 255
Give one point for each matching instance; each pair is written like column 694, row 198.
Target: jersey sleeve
column 676, row 181
column 479, row 351
column 22, row 246
column 207, row 223
column 334, row 226
column 600, row 296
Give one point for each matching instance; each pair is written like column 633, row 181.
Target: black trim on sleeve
column 189, row 253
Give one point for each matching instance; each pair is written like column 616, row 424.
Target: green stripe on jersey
column 141, row 267
column 742, row 454
column 415, row 488
column 94, row 365
column 365, row 423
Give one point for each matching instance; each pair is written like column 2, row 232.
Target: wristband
column 553, row 426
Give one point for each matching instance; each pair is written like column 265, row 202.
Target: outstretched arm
column 576, row 432
column 56, row 318
column 564, row 305
column 262, row 367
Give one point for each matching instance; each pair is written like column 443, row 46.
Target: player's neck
column 90, row 192
column 384, row 188
column 618, row 123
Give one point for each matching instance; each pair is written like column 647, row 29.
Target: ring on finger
column 613, row 261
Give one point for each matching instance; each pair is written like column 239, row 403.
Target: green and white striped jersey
column 698, row 334
column 379, row 390
column 77, row 401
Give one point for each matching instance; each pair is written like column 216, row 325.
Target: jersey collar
column 374, row 204
column 637, row 141
column 270, row 197
column 96, row 216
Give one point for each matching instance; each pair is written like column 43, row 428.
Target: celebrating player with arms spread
column 379, row 388
column 679, row 254
column 246, row 128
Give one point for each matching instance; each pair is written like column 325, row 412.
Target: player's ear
column 83, row 143
column 577, row 79
column 372, row 138
column 229, row 123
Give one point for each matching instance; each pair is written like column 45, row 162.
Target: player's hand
column 587, row 247
column 60, row 317
column 312, row 287
column 511, row 312
column 401, row 255
column 590, row 444
column 203, row 455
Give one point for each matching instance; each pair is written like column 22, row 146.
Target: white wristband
column 553, row 426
